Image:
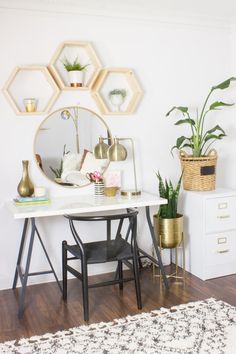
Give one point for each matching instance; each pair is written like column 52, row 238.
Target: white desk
column 75, row 205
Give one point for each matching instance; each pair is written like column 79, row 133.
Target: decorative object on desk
column 207, row 326
column 117, row 152
column 25, row 187
column 97, row 178
column 98, row 188
column 112, row 178
column 30, row 104
column 39, row 191
column 199, row 167
column 111, row 191
column 117, row 98
column 75, row 71
column 24, row 201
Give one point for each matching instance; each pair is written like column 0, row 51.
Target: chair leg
column 137, row 280
column 64, row 270
column 85, row 288
column 120, row 274
column 139, row 261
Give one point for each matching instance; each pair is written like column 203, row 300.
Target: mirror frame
column 44, row 120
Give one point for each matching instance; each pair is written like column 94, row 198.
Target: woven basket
column 199, row 173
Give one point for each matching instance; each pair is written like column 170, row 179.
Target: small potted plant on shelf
column 117, row 97
column 199, row 166
column 75, row 71
column 168, row 224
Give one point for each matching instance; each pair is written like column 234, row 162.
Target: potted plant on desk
column 168, row 224
column 199, row 166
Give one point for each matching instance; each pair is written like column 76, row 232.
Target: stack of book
column 31, row 200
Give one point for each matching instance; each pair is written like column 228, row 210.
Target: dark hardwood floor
column 46, row 312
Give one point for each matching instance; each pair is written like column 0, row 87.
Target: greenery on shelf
column 200, row 140
column 73, row 66
column 168, row 191
column 121, row 92
column 58, row 171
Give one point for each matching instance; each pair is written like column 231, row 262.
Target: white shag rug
column 202, row 327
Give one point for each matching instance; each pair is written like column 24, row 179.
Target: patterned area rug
column 199, row 327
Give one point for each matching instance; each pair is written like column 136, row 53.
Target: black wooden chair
column 117, row 249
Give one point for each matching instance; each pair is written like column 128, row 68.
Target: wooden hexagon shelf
column 72, row 50
column 31, row 81
column 117, row 91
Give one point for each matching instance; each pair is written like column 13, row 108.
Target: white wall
column 175, row 64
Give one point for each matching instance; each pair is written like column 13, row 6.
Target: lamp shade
column 100, row 150
column 117, row 152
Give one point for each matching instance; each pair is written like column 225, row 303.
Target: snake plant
column 200, row 140
column 171, row 193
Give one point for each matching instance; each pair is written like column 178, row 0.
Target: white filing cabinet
column 210, row 232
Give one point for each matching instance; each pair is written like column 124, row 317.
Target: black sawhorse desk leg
column 24, row 275
column 155, row 244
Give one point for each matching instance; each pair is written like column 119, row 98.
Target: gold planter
column 169, row 232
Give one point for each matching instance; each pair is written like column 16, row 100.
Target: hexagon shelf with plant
column 31, row 90
column 116, row 91
column 72, row 59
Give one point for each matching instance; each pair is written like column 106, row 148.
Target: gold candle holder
column 30, row 104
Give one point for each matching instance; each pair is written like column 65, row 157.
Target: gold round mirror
column 64, row 144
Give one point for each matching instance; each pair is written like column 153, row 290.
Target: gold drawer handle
column 223, row 216
column 224, row 251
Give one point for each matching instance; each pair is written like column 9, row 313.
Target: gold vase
column 169, row 232
column 25, row 187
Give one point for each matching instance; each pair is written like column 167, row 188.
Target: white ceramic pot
column 76, row 78
column 117, row 100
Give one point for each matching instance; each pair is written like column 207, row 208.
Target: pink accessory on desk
column 95, row 176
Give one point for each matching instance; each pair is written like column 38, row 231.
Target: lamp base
column 130, row 193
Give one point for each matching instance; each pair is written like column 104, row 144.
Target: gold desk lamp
column 117, row 152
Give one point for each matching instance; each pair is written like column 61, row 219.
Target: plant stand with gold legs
column 175, row 274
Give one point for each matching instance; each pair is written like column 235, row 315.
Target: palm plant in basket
column 199, row 166
column 168, row 224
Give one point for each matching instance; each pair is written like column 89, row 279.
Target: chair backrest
column 130, row 214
